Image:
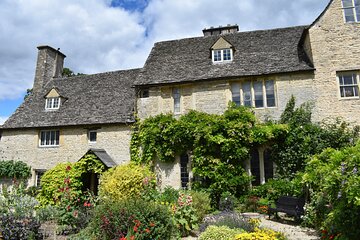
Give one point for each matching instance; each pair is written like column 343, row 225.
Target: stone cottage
column 65, row 117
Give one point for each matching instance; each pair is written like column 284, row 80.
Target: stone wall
column 335, row 47
column 214, row 96
column 23, row 145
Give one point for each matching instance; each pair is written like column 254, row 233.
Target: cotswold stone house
column 66, row 117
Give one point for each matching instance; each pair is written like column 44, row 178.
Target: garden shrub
column 131, row 218
column 17, row 214
column 333, row 180
column 261, row 234
column 273, row 189
column 231, row 220
column 201, row 203
column 125, row 181
column 169, row 195
column 227, row 202
column 219, row 233
column 14, row 169
column 305, row 139
column 53, row 180
column 185, row 215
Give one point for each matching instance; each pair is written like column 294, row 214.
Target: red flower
column 89, row 205
column 135, row 228
column 147, row 230
column 132, row 237
column 85, row 204
column 68, row 168
column 68, row 208
column 122, row 238
column 152, row 224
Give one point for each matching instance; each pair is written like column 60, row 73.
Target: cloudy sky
column 105, row 35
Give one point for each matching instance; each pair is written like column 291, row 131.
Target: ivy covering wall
column 219, row 144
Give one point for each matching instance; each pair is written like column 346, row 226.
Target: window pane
column 259, row 98
column 48, row 103
column 226, row 54
column 349, row 79
column 357, row 9
column 347, row 3
column 52, row 138
column 57, row 137
column 56, row 103
column 349, row 91
column 217, row 55
column 47, row 138
column 349, row 15
column 42, row 138
column 235, row 89
column 270, row 93
column 92, row 136
column 357, row 2
column 246, row 87
column 184, row 160
column 176, row 96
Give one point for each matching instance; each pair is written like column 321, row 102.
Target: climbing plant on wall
column 219, row 144
column 53, row 179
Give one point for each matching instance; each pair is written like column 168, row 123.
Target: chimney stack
column 221, row 30
column 49, row 65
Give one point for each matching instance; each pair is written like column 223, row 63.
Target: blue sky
column 95, row 35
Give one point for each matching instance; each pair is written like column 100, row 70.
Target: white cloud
column 3, row 119
column 96, row 37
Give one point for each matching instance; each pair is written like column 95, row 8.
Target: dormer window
column 222, row 55
column 351, row 10
column 52, row 103
column 222, row 51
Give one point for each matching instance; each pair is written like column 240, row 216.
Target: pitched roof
column 103, row 98
column 256, row 53
column 104, row 157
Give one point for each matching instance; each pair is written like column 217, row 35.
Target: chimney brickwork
column 49, row 65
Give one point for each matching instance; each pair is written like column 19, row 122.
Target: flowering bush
column 219, row 233
column 261, row 234
column 18, row 220
column 125, row 181
column 131, row 219
column 72, row 206
column 184, row 214
column 333, row 180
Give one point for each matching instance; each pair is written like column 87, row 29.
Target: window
column 351, row 10
column 144, row 93
column 52, row 103
column 92, row 136
column 348, row 84
column 49, row 138
column 184, row 160
column 258, row 94
column 222, row 55
column 38, row 175
column 176, row 96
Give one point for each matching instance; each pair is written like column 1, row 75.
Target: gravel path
column 288, row 227
column 293, row 232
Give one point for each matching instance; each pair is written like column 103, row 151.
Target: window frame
column 222, row 55
column 245, row 92
column 353, row 7
column 89, row 136
column 50, row 103
column 39, row 172
column 340, row 75
column 56, row 139
column 176, row 95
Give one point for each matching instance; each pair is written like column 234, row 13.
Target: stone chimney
column 49, row 65
column 221, row 30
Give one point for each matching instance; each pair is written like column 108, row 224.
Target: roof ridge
column 235, row 33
